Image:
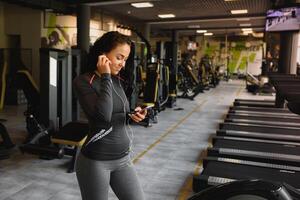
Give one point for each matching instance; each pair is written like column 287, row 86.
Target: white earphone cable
column 130, row 136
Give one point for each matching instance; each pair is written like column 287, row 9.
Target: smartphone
column 143, row 108
column 147, row 107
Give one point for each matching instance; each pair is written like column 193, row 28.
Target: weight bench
column 73, row 135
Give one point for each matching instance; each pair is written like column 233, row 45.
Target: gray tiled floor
column 171, row 150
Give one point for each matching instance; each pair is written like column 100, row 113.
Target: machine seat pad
column 73, row 133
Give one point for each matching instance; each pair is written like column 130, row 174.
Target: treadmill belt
column 257, row 146
column 260, row 128
column 262, row 122
column 240, row 172
column 250, row 112
column 259, row 135
column 277, row 119
column 260, row 109
column 255, row 104
column 255, row 100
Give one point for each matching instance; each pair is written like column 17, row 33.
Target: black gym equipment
column 253, row 100
column 268, row 104
column 255, row 189
column 284, row 83
column 188, row 82
column 218, row 170
column 276, row 152
column 260, row 128
column 6, row 145
column 259, row 135
column 262, row 122
column 207, row 73
column 59, row 134
column 267, row 113
column 261, row 117
column 260, row 109
column 156, row 87
column 254, row 143
column 258, row 84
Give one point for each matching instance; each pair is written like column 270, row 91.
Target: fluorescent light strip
column 142, row 5
column 208, row 34
column 235, row 12
column 243, row 19
column 245, row 24
column 193, row 26
column 201, row 31
column 166, row 15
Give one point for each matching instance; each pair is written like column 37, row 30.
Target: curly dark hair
column 105, row 44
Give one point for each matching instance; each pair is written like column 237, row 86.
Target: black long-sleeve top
column 104, row 102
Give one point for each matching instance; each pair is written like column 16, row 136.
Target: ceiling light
column 193, row 26
column 142, row 5
column 243, row 19
column 166, row 15
column 207, row 34
column 245, row 24
column 235, row 12
column 201, row 31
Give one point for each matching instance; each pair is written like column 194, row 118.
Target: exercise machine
column 253, row 189
column 60, row 133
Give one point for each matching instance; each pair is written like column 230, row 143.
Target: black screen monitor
column 283, row 19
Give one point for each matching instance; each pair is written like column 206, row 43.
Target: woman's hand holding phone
column 139, row 114
column 103, row 64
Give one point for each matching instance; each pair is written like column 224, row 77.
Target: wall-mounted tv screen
column 192, row 46
column 283, row 19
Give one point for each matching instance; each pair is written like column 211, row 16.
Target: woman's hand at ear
column 103, row 65
column 139, row 114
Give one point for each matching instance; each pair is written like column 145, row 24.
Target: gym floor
column 166, row 155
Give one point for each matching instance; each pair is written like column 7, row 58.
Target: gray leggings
column 94, row 178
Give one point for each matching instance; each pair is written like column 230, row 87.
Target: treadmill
column 218, row 170
column 269, row 104
column 253, row 189
column 262, row 117
column 254, row 100
column 260, row 109
column 262, row 122
column 288, row 130
column 259, row 150
column 252, row 151
column 264, row 113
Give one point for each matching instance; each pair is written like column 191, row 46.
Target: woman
column 104, row 159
